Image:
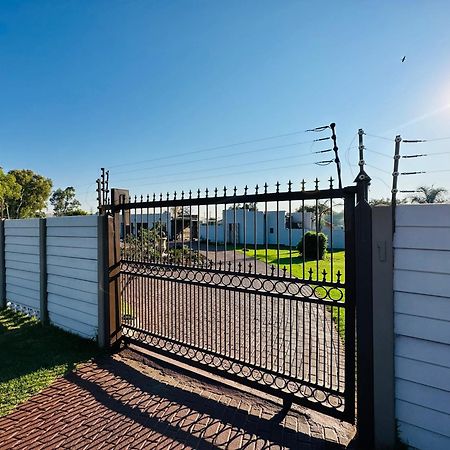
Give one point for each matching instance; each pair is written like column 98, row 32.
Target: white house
column 258, row 227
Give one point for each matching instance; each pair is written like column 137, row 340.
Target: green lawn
column 302, row 271
column 33, row 355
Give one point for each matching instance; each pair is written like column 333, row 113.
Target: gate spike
column 272, row 269
column 284, row 271
column 331, row 182
column 235, row 190
column 224, row 191
column 245, row 190
column 316, row 181
column 160, row 197
column 190, row 193
column 215, row 192
column 175, row 195
column 220, row 265
column 239, row 266
column 182, row 195
column 278, row 186
column 206, row 192
column 310, row 274
column 324, row 273
column 229, row 265
column 168, row 196
column 265, row 188
column 338, row 275
column 250, row 267
column 142, row 198
column 256, row 189
column 289, row 185
column 198, row 193
column 303, row 184
column 135, row 199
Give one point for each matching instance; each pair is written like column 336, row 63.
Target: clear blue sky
column 104, row 83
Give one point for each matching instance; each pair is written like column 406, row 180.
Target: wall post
column 364, row 317
column 43, row 309
column 383, row 328
column 103, row 280
column 2, row 265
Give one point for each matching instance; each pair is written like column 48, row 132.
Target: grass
column 301, row 269
column 33, row 355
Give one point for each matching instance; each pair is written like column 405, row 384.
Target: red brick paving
column 128, row 402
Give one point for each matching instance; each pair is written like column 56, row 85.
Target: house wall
column 422, row 325
column 70, row 252
column 266, row 229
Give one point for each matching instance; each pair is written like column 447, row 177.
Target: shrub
column 315, row 245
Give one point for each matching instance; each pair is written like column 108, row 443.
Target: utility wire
column 222, row 175
column 210, row 149
column 378, row 153
column 212, row 158
column 379, row 137
column 184, row 172
column 377, row 168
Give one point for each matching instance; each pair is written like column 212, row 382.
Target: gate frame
column 358, row 241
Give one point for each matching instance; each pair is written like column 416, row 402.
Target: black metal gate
column 237, row 285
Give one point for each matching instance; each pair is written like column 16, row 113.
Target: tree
column 380, row 202
column 9, row 190
column 429, row 194
column 31, row 196
column 65, row 203
column 251, row 206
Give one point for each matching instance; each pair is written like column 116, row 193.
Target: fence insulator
column 411, row 173
column 322, row 139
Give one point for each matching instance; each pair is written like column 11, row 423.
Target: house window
column 271, row 230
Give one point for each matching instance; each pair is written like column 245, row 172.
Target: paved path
column 243, row 322
column 129, row 402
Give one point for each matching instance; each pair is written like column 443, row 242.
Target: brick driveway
column 129, row 401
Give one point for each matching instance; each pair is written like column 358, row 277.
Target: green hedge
column 315, row 245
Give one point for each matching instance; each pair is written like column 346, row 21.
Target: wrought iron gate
column 234, row 284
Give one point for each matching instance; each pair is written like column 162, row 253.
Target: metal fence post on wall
column 2, row 265
column 103, row 280
column 43, row 309
column 364, row 313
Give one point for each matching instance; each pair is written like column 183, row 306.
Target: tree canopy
column 429, row 194
column 65, row 203
column 9, row 189
column 23, row 193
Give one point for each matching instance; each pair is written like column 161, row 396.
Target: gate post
column 364, row 314
column 2, row 265
column 113, row 262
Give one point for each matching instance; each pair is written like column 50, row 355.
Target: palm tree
column 429, row 194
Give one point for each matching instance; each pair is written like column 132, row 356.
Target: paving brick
column 123, row 401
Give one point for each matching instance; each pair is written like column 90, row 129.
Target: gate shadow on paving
column 120, row 402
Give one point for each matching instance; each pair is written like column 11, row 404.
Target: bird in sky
column 403, row 59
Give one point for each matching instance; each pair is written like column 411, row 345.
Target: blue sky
column 108, row 83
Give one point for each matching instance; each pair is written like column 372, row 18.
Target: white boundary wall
column 72, row 273
column 22, row 264
column 422, row 325
column 72, row 253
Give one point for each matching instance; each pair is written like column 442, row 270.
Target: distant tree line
column 25, row 194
